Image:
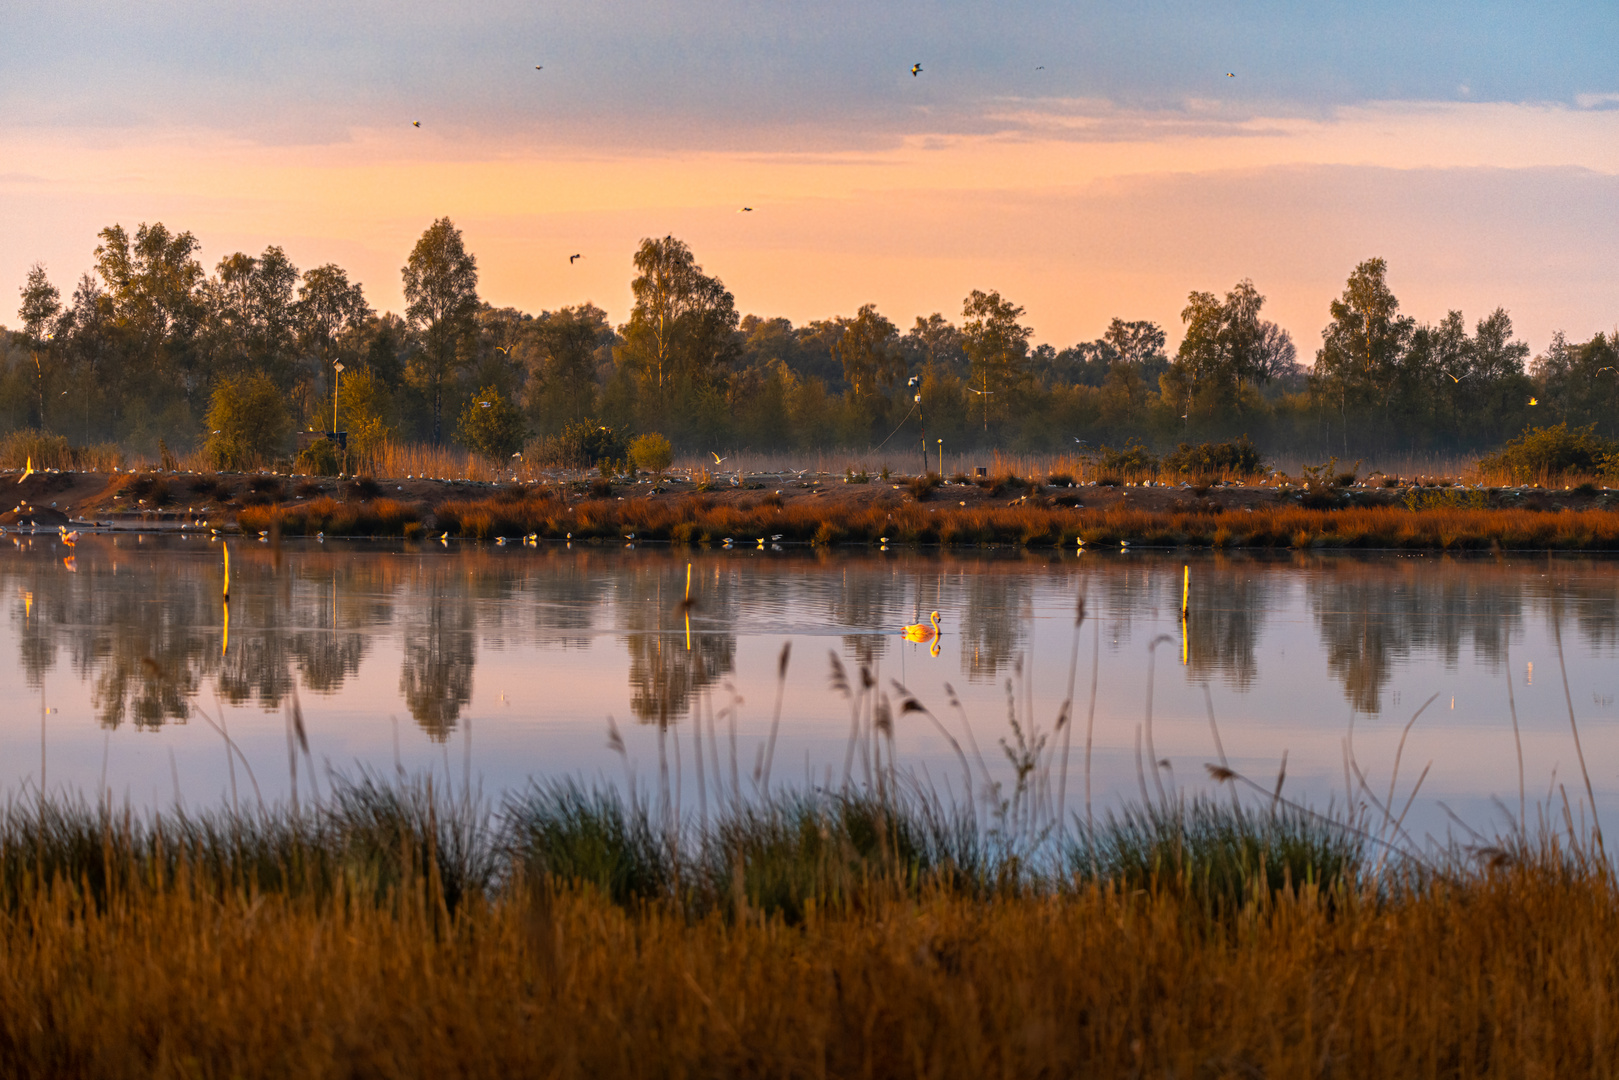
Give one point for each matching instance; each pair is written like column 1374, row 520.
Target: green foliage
column 652, row 452
column 136, row 351
column 997, row 345
column 248, row 421
column 1446, row 499
column 441, row 294
column 1240, row 457
column 581, row 445
column 320, row 458
column 1547, row 453
column 1133, row 459
column 1217, row 855
column 492, row 426
column 366, row 409
column 680, row 335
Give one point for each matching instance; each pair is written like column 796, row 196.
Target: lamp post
column 920, row 419
column 337, row 374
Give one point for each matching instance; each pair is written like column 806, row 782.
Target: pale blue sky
column 724, row 73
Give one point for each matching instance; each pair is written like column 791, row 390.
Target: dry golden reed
column 1512, row 972
column 698, row 519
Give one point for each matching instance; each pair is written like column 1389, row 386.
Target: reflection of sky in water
column 508, row 661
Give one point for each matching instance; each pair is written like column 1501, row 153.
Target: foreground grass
column 391, row 932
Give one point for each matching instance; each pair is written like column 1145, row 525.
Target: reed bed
column 700, row 519
column 335, row 517
column 342, row 940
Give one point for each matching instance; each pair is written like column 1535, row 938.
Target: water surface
column 505, row 663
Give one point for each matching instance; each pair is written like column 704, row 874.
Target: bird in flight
column 746, row 210
column 415, row 123
column 1534, row 401
column 1458, row 378
column 503, row 349
column 1039, row 67
column 916, row 69
column 539, row 67
column 1231, row 74
column 717, row 459
column 574, row 258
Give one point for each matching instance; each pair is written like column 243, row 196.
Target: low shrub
column 1239, row 457
column 923, row 487
column 1548, row 453
column 319, row 458
column 1133, row 460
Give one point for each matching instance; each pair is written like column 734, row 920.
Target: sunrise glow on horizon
column 1025, row 158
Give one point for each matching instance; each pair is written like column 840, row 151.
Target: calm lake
column 506, row 663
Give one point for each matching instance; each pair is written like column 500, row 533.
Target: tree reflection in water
column 666, row 675
column 1228, row 602
column 310, row 620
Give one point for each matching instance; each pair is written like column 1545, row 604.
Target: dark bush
column 923, row 487
column 267, row 485
column 1134, row 459
column 601, row 489
column 319, row 458
column 580, row 445
column 1240, row 457
column 363, row 487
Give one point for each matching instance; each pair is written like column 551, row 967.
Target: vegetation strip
column 393, row 929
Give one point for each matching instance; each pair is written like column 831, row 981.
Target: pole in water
column 1186, row 590
column 226, row 549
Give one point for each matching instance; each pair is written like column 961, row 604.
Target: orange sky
column 1086, row 212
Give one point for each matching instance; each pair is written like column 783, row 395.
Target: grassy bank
column 1040, row 522
column 391, row 932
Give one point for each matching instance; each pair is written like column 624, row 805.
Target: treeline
column 149, row 350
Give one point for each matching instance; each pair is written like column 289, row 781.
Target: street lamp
column 920, row 418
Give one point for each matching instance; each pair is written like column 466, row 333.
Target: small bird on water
column 923, row 631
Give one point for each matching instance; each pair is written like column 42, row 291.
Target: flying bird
column 573, row 259
column 415, row 123
column 539, row 67
column 1039, row 67
column 1534, row 401
column 746, row 210
column 1458, row 378
column 717, row 459
column 504, row 349
column 916, row 69
column 1231, row 74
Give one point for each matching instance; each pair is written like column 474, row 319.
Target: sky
column 1086, row 160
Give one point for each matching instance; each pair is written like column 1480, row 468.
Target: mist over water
column 505, row 663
